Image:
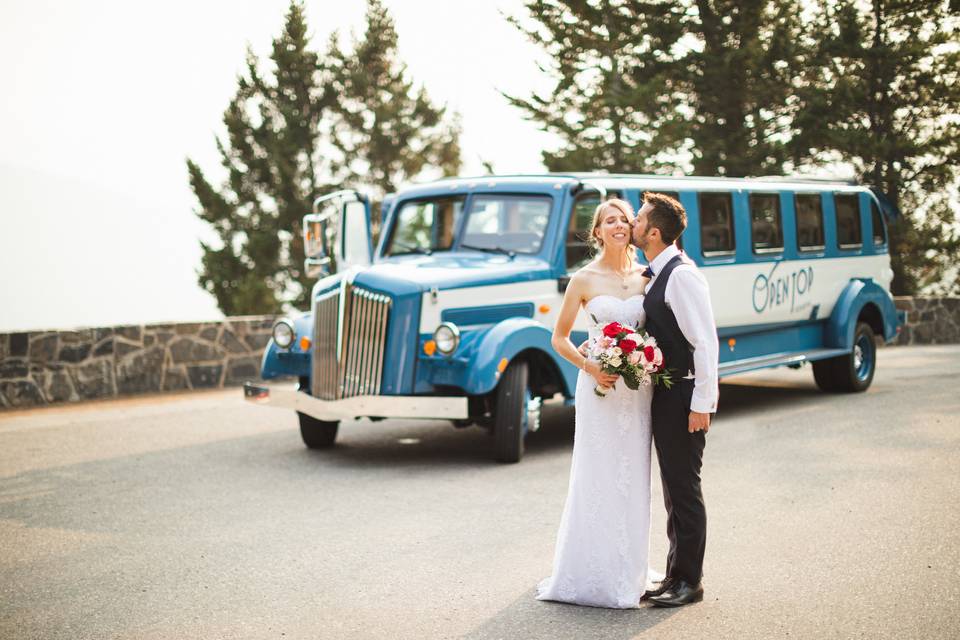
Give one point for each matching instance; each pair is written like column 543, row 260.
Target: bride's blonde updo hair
column 622, row 206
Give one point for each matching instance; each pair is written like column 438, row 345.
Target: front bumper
column 447, row 408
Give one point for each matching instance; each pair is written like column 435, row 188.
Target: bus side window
column 879, row 231
column 849, row 234
column 578, row 250
column 766, row 223
column 716, row 223
column 809, row 222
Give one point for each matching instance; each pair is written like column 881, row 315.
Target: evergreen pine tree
column 274, row 164
column 739, row 82
column 614, row 101
column 388, row 130
column 883, row 94
column 305, row 127
column 640, row 84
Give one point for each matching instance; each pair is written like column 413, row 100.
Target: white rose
column 616, row 351
column 615, row 362
column 634, row 357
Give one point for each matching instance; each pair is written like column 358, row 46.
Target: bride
column 601, row 556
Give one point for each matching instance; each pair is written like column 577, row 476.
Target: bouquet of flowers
column 629, row 353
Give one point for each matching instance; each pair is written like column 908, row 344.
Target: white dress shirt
column 688, row 296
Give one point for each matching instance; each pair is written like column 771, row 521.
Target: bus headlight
column 447, row 337
column 283, row 333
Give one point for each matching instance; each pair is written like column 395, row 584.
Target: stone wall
column 44, row 367
column 930, row 320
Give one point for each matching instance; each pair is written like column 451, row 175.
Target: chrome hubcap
column 857, row 357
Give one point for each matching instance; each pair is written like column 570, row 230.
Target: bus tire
column 853, row 372
column 317, row 434
column 509, row 413
column 856, row 371
column 825, row 374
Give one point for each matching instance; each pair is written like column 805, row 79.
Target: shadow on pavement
column 438, row 444
column 742, row 398
column 533, row 619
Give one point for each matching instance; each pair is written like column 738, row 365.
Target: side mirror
column 336, row 236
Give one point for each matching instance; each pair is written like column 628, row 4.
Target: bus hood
column 417, row 274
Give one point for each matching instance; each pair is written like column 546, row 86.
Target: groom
column 679, row 316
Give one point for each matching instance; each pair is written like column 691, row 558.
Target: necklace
column 623, row 279
column 622, row 276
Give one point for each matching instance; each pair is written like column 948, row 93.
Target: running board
column 777, row 360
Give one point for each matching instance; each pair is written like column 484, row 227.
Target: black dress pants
column 680, row 454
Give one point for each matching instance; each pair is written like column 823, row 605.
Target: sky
column 102, row 103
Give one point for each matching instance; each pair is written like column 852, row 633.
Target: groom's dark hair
column 667, row 215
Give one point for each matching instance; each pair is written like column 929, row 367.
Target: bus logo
column 770, row 291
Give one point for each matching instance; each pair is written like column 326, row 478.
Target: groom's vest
column 662, row 324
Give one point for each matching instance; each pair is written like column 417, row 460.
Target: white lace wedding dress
column 601, row 557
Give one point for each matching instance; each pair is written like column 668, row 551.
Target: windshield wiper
column 506, row 252
column 409, row 248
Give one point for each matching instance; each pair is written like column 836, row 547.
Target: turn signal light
column 502, row 366
column 731, row 343
column 430, row 347
column 305, row 343
column 544, row 308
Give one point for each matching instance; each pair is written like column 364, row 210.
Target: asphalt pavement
column 201, row 516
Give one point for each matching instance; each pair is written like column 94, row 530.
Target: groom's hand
column 698, row 421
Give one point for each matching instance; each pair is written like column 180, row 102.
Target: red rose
column 627, row 346
column 649, row 353
column 612, row 329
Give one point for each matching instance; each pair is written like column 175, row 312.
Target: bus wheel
column 852, row 372
column 317, row 434
column 510, row 415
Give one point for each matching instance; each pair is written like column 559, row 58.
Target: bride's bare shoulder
column 586, row 272
column 583, row 281
column 585, row 276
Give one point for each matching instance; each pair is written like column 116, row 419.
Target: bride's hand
column 582, row 349
column 603, row 379
column 644, row 282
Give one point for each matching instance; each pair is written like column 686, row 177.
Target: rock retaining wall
column 930, row 320
column 44, row 367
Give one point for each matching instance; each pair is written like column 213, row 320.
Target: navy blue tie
column 648, row 273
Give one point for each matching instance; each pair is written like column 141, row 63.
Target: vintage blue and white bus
column 450, row 315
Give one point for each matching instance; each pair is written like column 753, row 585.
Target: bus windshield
column 507, row 224
column 495, row 224
column 425, row 226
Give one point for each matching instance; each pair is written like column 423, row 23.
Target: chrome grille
column 350, row 329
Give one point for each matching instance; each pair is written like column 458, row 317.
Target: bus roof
column 651, row 182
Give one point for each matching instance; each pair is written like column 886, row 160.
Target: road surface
column 201, row 516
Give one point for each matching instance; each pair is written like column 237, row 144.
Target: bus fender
column 504, row 341
column 856, row 295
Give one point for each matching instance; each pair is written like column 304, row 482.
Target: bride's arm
column 572, row 299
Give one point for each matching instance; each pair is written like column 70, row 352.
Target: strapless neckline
column 607, row 295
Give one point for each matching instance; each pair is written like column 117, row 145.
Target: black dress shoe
column 678, row 594
column 662, row 586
